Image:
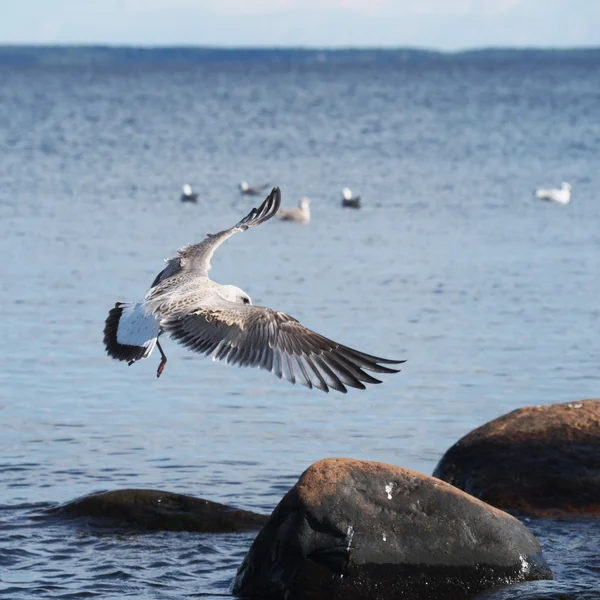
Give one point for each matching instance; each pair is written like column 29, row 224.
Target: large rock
column 539, row 460
column 156, row 510
column 363, row 530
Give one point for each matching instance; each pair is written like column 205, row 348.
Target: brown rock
column 538, row 460
column 353, row 529
column 156, row 510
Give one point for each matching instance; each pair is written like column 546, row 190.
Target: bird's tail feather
column 130, row 333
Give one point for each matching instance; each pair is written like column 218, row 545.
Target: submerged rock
column 538, row 460
column 155, row 510
column 352, row 529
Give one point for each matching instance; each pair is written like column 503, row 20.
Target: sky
column 435, row 24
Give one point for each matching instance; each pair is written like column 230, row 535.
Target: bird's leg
column 163, row 360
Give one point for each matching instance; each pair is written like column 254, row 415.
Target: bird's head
column 187, row 189
column 347, row 193
column 566, row 186
column 231, row 293
column 244, row 186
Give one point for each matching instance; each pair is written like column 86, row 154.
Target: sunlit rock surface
column 352, row 529
column 538, row 460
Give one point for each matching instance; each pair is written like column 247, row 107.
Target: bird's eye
column 246, row 300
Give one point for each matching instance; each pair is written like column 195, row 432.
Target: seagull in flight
column 220, row 320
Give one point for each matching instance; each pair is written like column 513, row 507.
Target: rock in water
column 539, row 460
column 155, row 510
column 355, row 530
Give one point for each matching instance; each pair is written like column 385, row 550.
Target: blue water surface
column 491, row 296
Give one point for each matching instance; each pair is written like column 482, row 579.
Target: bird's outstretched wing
column 255, row 336
column 197, row 257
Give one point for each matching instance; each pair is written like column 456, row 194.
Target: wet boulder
column 537, row 460
column 155, row 510
column 355, row 530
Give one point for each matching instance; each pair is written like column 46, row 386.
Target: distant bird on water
column 220, row 320
column 187, row 195
column 348, row 200
column 253, row 190
column 300, row 214
column 561, row 195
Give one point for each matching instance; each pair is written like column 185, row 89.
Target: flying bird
column 561, row 195
column 220, row 320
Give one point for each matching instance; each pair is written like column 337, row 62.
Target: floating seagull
column 216, row 319
column 300, row 214
column 187, row 194
column 254, row 190
column 348, row 201
column 561, row 195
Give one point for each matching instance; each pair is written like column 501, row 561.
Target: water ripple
column 490, row 296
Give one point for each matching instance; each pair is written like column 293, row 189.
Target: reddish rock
column 156, row 510
column 355, row 530
column 538, row 460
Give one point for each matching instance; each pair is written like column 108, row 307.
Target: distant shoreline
column 90, row 55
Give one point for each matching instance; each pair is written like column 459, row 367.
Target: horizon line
column 307, row 48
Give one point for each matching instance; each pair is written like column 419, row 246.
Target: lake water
column 490, row 295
